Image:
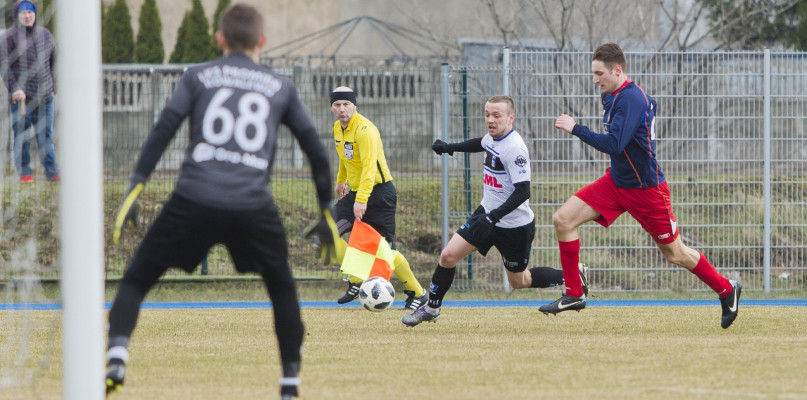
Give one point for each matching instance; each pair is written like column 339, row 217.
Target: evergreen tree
column 48, row 16
column 193, row 37
column 179, row 47
column 217, row 15
column 223, row 4
column 117, row 36
column 149, row 48
column 8, row 14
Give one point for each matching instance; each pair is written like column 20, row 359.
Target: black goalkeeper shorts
column 184, row 232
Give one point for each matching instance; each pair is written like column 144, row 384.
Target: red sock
column 569, row 258
column 706, row 272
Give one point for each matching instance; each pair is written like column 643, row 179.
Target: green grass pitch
column 470, row 353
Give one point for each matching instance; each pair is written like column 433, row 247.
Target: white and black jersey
column 235, row 108
column 506, row 162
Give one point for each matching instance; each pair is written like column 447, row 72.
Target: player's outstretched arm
column 469, row 146
column 440, row 147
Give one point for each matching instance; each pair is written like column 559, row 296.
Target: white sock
column 118, row 352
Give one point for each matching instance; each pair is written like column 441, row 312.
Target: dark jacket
column 26, row 60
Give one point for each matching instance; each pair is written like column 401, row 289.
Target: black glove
column 127, row 212
column 483, row 226
column 441, row 147
column 325, row 230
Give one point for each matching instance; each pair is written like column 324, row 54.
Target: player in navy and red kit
column 222, row 196
column 634, row 183
column 504, row 219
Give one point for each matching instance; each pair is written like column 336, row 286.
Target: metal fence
column 730, row 133
column 730, row 139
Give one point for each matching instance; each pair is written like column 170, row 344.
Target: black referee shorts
column 514, row 244
column 380, row 212
column 184, row 232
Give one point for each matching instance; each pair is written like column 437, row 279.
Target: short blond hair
column 500, row 98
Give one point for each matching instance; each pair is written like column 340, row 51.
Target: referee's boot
column 115, row 371
column 413, row 302
column 352, row 292
column 730, row 304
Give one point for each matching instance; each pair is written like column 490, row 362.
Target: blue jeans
column 41, row 119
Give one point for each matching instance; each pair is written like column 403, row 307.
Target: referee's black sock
column 544, row 277
column 441, row 281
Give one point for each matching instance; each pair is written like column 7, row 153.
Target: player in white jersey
column 504, row 219
column 506, row 163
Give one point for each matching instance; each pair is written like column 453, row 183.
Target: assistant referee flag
column 368, row 254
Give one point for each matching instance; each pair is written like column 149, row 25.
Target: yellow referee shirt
column 361, row 156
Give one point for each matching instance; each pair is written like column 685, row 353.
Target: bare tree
column 424, row 23
column 558, row 27
column 686, row 25
column 504, row 20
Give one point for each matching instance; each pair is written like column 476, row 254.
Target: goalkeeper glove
column 127, row 212
column 441, row 147
column 326, row 232
column 483, row 226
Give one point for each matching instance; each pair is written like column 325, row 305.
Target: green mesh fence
column 711, row 143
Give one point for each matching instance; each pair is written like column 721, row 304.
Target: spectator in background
column 26, row 63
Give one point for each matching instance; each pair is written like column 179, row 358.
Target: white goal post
column 78, row 76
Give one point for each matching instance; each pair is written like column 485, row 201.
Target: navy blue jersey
column 629, row 139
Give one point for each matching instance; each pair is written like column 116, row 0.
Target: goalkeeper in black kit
column 222, row 194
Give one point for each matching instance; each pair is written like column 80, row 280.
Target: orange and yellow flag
column 368, row 254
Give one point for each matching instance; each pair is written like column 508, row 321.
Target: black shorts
column 514, row 244
column 184, row 231
column 380, row 212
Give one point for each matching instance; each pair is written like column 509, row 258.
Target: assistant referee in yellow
column 365, row 189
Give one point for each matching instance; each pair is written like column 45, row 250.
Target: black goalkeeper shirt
column 235, row 107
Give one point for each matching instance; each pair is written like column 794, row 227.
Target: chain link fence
column 730, row 133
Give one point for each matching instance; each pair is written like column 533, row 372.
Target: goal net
column 50, row 296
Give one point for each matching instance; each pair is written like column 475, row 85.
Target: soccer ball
column 376, row 294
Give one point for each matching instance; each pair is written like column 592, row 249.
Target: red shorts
column 650, row 206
